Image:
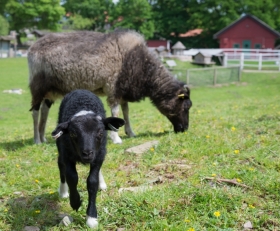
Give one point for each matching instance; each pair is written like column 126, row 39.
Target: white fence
column 252, row 58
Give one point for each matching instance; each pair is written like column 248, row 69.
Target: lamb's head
column 87, row 133
column 176, row 108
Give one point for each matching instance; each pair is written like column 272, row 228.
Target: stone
column 140, row 149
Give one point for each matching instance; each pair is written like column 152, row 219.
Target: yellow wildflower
column 214, row 175
column 187, row 221
column 152, row 149
column 37, row 181
column 207, row 136
column 37, row 211
column 236, row 151
column 217, row 214
column 233, row 128
column 191, row 229
column 251, row 206
column 238, row 180
column 17, row 165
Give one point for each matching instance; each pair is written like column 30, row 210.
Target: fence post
column 215, row 76
column 239, row 73
column 225, row 60
column 188, row 77
column 260, row 61
column 242, row 61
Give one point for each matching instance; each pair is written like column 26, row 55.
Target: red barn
column 247, row 32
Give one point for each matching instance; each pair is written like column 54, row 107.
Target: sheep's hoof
column 63, row 190
column 92, row 222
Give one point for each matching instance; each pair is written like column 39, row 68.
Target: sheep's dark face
column 178, row 110
column 87, row 134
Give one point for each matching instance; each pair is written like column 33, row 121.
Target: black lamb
column 81, row 137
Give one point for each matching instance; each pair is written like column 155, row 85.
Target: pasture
column 222, row 174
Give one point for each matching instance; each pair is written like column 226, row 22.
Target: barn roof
column 204, row 52
column 241, row 19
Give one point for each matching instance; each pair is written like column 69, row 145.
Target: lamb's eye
column 72, row 134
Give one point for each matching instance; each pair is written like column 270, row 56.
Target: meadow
column 222, row 174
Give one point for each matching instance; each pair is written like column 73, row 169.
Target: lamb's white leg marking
column 43, row 121
column 92, row 222
column 127, row 127
column 35, row 115
column 63, row 190
column 114, row 135
column 102, row 185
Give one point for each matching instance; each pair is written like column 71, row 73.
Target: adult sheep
column 118, row 65
column 81, row 137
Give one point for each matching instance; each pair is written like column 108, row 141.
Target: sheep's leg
column 127, row 127
column 102, row 184
column 72, row 181
column 43, row 118
column 92, row 186
column 35, row 115
column 114, row 135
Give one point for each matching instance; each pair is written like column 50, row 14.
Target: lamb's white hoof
column 63, row 190
column 92, row 222
column 115, row 138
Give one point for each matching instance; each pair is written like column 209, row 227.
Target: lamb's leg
column 114, row 135
column 63, row 187
column 35, row 115
column 72, row 181
column 102, row 184
column 127, row 127
column 43, row 118
column 92, row 186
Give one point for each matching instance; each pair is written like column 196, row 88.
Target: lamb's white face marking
column 83, row 112
column 63, row 190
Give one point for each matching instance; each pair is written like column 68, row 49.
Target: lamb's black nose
column 87, row 154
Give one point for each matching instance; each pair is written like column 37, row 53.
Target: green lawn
column 234, row 134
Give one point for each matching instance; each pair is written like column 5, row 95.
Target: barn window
column 258, row 46
column 236, row 45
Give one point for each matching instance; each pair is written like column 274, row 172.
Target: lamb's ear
column 113, row 123
column 60, row 129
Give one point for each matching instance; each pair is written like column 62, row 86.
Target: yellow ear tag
column 181, row 96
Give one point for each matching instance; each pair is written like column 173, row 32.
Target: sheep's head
column 176, row 109
column 87, row 133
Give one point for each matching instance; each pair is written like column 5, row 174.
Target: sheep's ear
column 61, row 128
column 113, row 123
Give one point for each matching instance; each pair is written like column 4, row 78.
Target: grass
column 234, row 134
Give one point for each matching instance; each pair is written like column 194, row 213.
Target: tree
column 171, row 17
column 29, row 14
column 133, row 14
column 4, row 26
column 88, row 14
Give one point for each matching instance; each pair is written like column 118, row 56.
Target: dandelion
column 214, row 175
column 214, row 164
column 217, row 214
column 185, row 133
column 251, row 169
column 37, row 211
column 236, row 151
column 187, row 221
column 251, row 206
column 207, row 136
column 5, row 210
column 191, row 229
column 17, row 165
column 152, row 149
column 51, row 192
column 233, row 128
column 37, row 181
column 238, row 180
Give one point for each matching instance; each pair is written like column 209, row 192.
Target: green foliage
column 133, row 14
column 4, row 26
column 40, row 14
column 89, row 14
